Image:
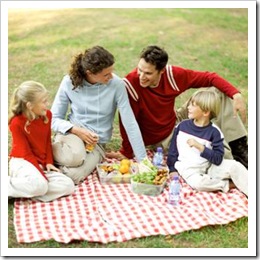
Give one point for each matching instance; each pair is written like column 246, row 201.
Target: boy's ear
column 206, row 113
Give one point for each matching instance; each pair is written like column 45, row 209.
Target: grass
column 42, row 42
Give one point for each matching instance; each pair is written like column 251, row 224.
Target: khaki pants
column 25, row 181
column 70, row 155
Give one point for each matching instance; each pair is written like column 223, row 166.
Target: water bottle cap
column 175, row 177
column 159, row 149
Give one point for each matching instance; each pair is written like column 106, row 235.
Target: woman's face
column 102, row 77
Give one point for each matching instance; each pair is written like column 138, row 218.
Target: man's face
column 148, row 75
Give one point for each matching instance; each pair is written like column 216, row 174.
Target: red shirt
column 154, row 107
column 34, row 146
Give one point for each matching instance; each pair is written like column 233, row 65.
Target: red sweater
column 154, row 107
column 35, row 146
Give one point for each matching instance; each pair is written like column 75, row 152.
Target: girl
column 31, row 170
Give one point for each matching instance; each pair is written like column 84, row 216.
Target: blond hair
column 28, row 91
column 208, row 101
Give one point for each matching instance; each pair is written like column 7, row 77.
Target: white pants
column 25, row 181
column 215, row 177
column 70, row 154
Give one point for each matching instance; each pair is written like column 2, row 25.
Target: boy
column 196, row 150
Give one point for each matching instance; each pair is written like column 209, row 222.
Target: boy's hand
column 172, row 174
column 193, row 143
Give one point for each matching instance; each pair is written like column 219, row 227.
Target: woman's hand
column 86, row 135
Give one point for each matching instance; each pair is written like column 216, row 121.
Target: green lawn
column 41, row 44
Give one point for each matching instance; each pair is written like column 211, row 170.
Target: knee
column 77, row 174
column 38, row 187
column 69, row 151
column 68, row 186
column 197, row 185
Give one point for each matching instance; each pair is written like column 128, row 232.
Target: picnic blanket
column 109, row 213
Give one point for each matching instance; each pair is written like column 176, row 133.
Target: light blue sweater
column 93, row 106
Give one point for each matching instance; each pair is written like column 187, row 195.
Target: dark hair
column 155, row 55
column 94, row 59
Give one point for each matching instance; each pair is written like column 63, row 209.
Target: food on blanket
column 109, row 173
column 116, row 179
column 125, row 162
column 157, row 177
column 151, row 182
column 107, row 168
column 146, row 166
column 161, row 176
column 126, row 178
column 124, row 168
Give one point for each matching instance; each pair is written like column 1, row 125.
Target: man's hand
column 239, row 105
column 115, row 155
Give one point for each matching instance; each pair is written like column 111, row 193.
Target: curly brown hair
column 94, row 59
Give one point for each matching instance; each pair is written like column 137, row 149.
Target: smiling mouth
column 143, row 82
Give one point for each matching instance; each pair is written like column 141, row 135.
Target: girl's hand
column 51, row 167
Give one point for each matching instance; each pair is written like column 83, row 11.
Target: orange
column 125, row 162
column 124, row 168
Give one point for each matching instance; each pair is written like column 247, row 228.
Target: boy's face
column 194, row 111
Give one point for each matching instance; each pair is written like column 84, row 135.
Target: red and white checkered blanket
column 106, row 213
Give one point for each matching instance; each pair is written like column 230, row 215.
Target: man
column 152, row 88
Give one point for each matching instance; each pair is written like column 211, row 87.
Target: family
column 207, row 128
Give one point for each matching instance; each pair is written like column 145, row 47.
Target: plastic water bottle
column 174, row 192
column 158, row 157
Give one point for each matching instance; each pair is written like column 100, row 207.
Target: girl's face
column 40, row 106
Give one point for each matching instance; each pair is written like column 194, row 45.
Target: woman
column 93, row 93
